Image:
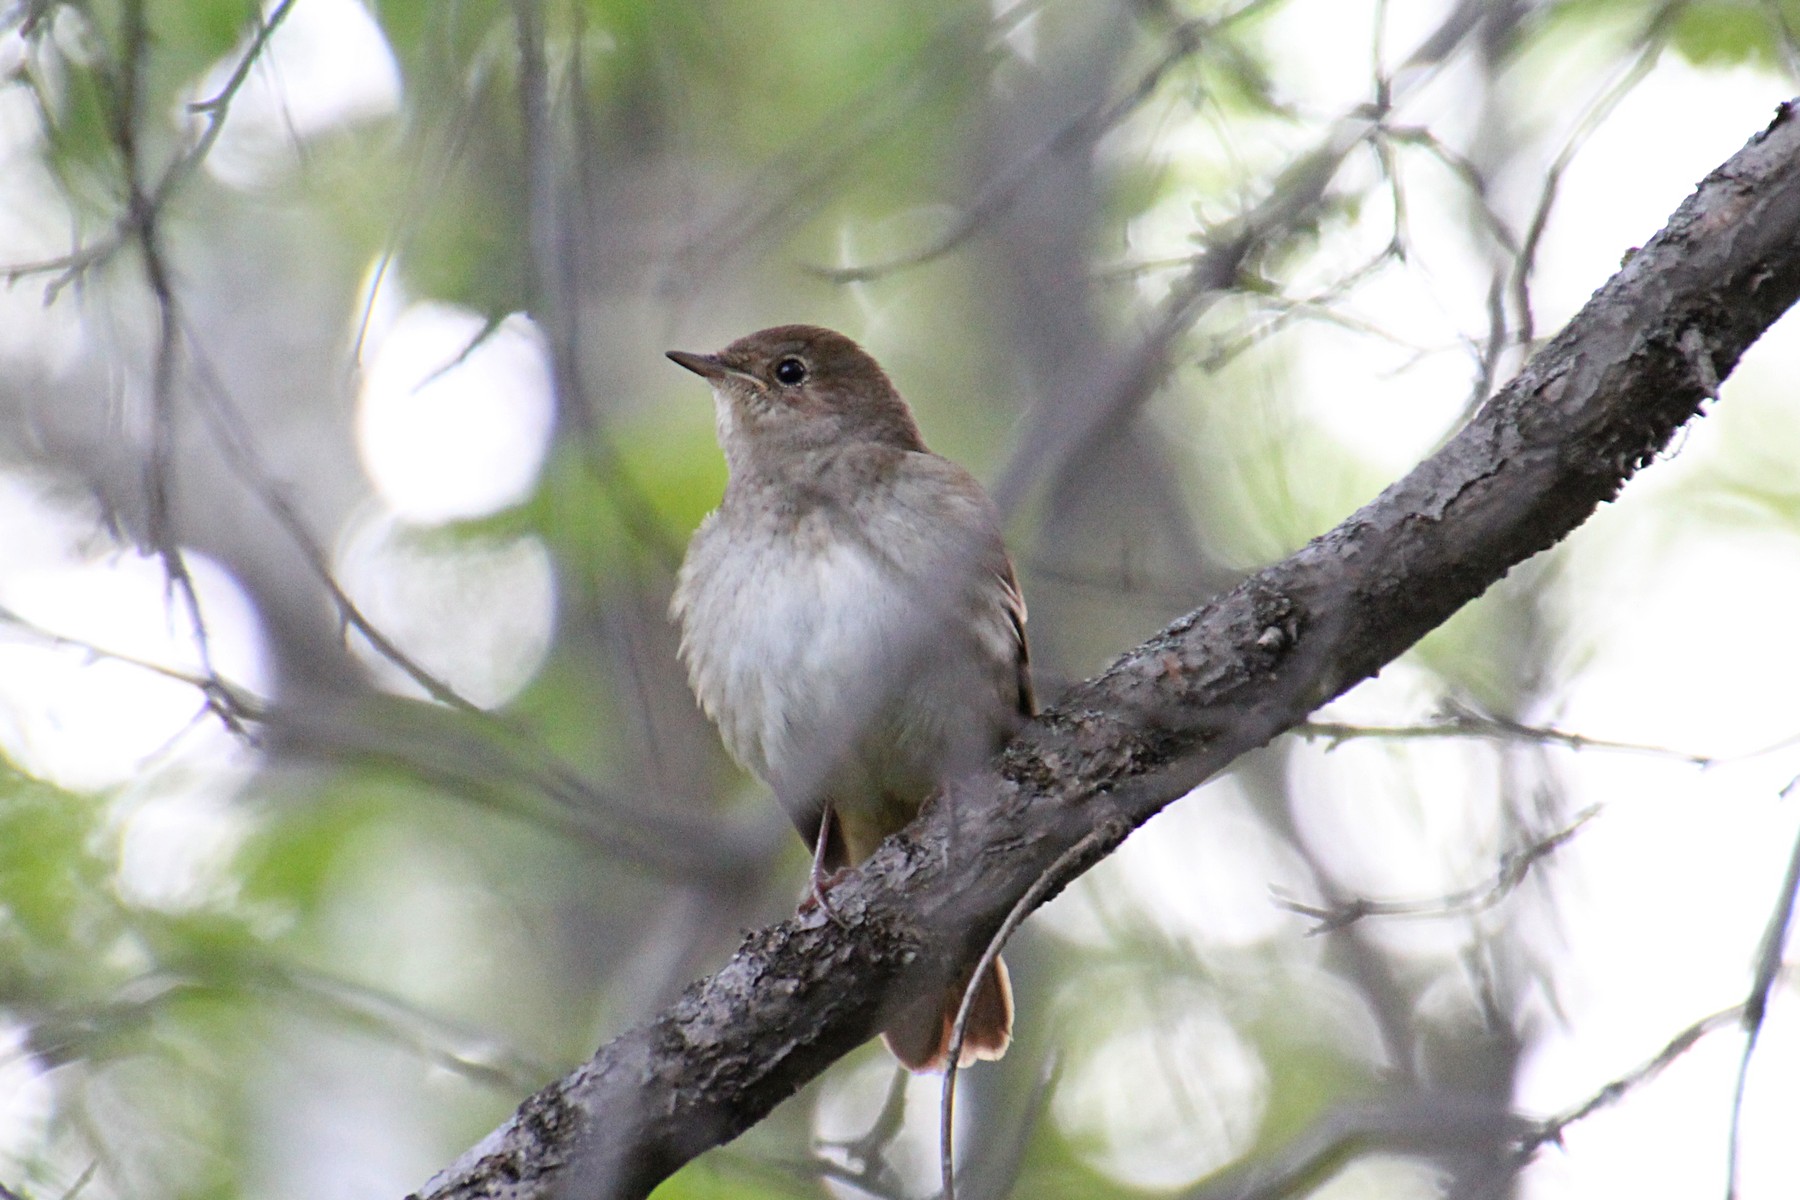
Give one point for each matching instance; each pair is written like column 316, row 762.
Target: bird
column 851, row 622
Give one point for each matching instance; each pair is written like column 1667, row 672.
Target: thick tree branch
column 1598, row 403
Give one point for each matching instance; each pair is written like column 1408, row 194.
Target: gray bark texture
column 1596, row 404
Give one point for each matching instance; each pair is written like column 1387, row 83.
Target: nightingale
column 851, row 622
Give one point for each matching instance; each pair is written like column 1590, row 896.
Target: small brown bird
column 850, row 620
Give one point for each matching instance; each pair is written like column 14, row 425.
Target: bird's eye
column 790, row 371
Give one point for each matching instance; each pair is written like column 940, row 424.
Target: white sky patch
column 339, row 1113
column 477, row 614
column 88, row 722
column 1382, row 824
column 1201, row 870
column 1164, row 1100
column 1383, row 1177
column 1615, row 195
column 451, row 423
column 1677, row 653
column 180, row 839
column 27, row 1099
column 1326, row 53
column 1021, row 36
column 849, row 1105
column 326, row 67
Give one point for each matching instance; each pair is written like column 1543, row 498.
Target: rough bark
column 1595, row 405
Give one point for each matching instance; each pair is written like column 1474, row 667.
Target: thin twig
column 233, row 704
column 1652, row 40
column 1515, row 866
column 1471, row 725
column 1756, row 1006
column 1187, row 39
column 82, row 1180
column 1550, row 1129
column 866, row 1154
column 1053, row 877
column 1415, row 1123
column 150, row 201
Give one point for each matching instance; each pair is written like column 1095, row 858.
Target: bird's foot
column 819, row 882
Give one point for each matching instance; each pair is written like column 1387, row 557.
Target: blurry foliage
column 56, row 894
column 403, row 907
column 121, row 1000
column 1733, row 32
column 1712, row 33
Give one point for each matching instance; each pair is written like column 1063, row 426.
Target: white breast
column 774, row 638
column 815, row 658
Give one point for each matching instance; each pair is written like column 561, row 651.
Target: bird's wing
column 1015, row 612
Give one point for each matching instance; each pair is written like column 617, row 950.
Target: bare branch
column 234, row 706
column 1413, row 1124
column 1054, row 878
column 146, row 203
column 1465, row 724
column 1549, row 1131
column 1515, row 865
column 1598, row 403
column 1186, row 40
column 1756, row 1005
column 1651, row 41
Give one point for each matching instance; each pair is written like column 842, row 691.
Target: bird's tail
column 920, row 1035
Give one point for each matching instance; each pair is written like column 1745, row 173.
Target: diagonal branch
column 1600, row 401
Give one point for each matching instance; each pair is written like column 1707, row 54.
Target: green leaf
column 1723, row 33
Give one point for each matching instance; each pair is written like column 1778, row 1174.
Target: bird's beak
column 710, row 366
column 705, row 365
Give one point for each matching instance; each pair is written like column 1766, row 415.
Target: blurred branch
column 1598, row 403
column 865, row 1162
column 1414, row 1124
column 1293, row 203
column 1185, row 40
column 1756, row 1006
column 1051, row 880
column 779, row 196
column 668, row 838
column 231, row 434
column 82, row 1032
column 145, row 204
column 1293, row 198
column 427, row 176
column 231, row 704
column 578, row 809
column 1281, row 311
column 1485, row 354
column 478, row 1057
column 1460, row 723
column 122, row 83
column 1784, row 37
column 1549, row 1131
column 555, row 223
column 123, row 103
column 1651, row 43
column 1515, row 865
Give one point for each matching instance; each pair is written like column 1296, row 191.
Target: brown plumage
column 850, row 619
